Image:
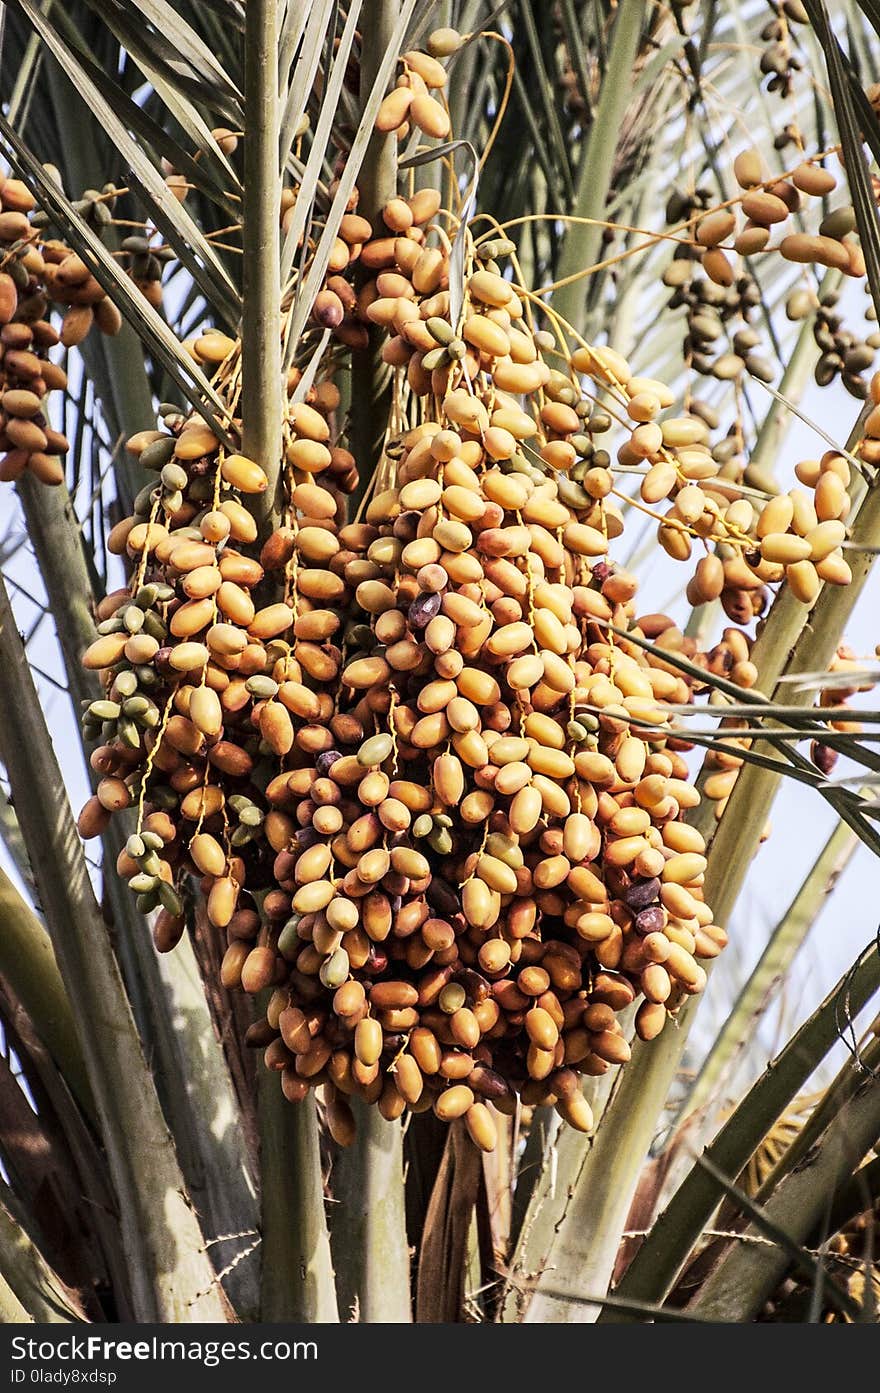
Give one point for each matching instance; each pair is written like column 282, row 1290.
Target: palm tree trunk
column 368, row 1231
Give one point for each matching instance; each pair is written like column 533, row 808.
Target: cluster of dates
column 424, row 764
